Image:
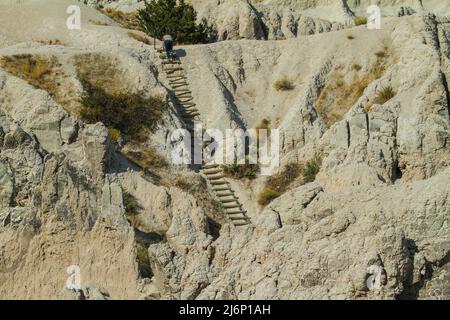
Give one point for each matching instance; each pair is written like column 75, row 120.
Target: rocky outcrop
column 373, row 225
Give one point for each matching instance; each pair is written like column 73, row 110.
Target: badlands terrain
column 370, row 108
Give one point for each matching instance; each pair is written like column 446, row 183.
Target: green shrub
column 384, row 95
column 283, row 84
column 350, row 37
column 114, row 134
column 311, row 169
column 177, row 18
column 360, row 20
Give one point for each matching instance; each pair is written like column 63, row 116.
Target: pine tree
column 160, row 17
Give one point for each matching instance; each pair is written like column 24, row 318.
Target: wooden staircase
column 212, row 172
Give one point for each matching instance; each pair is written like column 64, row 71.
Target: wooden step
column 243, row 223
column 235, row 211
column 171, row 62
column 232, row 206
column 175, row 86
column 183, row 103
column 210, row 166
column 182, row 91
column 218, row 182
column 189, row 104
column 186, row 99
column 216, row 177
column 228, row 200
column 184, row 95
column 243, row 218
column 212, row 171
column 220, row 188
column 191, row 111
column 172, row 70
column 225, row 194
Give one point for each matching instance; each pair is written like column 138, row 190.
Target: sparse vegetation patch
column 284, row 84
column 276, row 185
column 311, row 169
column 131, row 114
column 241, row 171
column 339, row 94
column 128, row 20
column 360, row 20
column 130, row 117
column 139, row 37
column 384, row 95
column 42, row 72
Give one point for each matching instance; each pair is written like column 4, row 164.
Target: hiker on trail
column 168, row 45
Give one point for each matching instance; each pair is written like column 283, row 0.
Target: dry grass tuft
column 284, row 84
column 381, row 54
column 278, row 184
column 127, row 20
column 384, row 95
column 145, row 157
column 356, row 67
column 241, row 171
column 360, row 20
column 139, row 37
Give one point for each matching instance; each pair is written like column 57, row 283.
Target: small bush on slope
column 283, row 84
column 311, row 169
column 360, row 20
column 276, row 185
column 241, row 171
column 384, row 95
